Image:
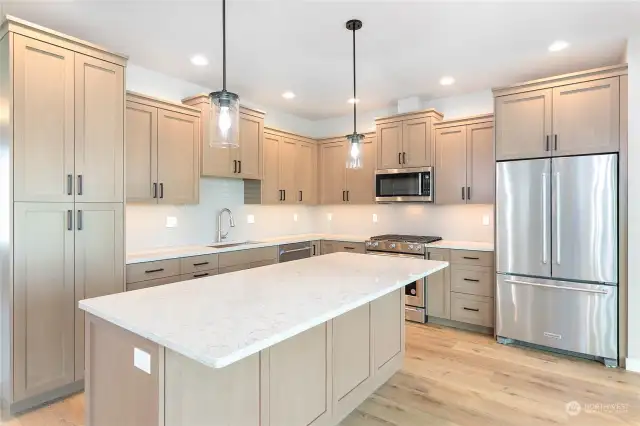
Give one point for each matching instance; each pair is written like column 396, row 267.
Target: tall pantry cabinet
column 62, row 104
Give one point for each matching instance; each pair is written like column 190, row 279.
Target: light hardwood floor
column 456, row 378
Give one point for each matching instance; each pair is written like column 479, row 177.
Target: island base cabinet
column 315, row 378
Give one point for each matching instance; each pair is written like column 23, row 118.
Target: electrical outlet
column 251, row 218
column 172, row 222
column 375, row 218
column 295, row 217
column 485, row 220
column 329, row 216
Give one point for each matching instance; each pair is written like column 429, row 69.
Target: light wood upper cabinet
column 43, row 114
column 451, row 165
column 480, row 163
column 43, row 298
column 271, row 191
column 99, row 130
column 142, row 152
column 99, row 261
column 360, row 183
column 416, row 142
column 586, row 117
column 251, row 138
column 333, row 158
column 287, row 177
column 439, row 286
column 306, row 163
column 389, row 145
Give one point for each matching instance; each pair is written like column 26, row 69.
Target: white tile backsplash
column 197, row 224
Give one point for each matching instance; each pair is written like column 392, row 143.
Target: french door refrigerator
column 557, row 253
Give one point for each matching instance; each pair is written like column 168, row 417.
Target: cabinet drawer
column 475, row 258
column 196, row 275
column 472, row 280
column 472, row 309
column 247, row 256
column 327, row 247
column 262, row 263
column 152, row 283
column 189, row 265
column 152, row 270
column 234, row 268
column 350, row 247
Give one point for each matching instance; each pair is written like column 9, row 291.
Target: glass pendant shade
column 354, row 151
column 224, row 125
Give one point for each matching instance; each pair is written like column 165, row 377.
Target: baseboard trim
column 46, row 398
column 633, row 364
column 460, row 325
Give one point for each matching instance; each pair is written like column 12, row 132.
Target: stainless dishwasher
column 294, row 251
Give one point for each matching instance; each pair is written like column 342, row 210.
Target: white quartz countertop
column 222, row 319
column 186, row 251
column 462, row 245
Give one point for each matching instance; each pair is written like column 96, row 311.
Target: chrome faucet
column 232, row 224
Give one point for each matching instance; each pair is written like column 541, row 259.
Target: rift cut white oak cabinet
column 406, row 140
column 244, row 162
column 62, row 137
column 571, row 114
column 339, row 185
column 464, row 163
column 163, row 151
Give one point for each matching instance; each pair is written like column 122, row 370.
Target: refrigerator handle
column 545, row 229
column 558, row 216
column 557, row 287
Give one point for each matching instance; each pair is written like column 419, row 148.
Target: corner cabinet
column 244, row 162
column 464, row 164
column 339, row 185
column 162, row 151
column 406, row 140
column 572, row 114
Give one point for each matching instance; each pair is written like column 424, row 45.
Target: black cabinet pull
column 470, row 258
column 399, row 158
column 79, row 220
column 404, row 158
column 280, row 190
column 235, row 166
column 162, row 190
column 470, row 309
column 69, row 220
column 463, row 192
column 300, row 196
column 69, row 184
column 468, row 193
column 343, row 196
column 555, row 142
column 546, row 147
column 469, row 279
column 155, row 190
column 239, row 166
column 284, row 195
column 204, row 274
column 314, row 249
column 79, row 184
column 201, row 264
column 151, row 271
column 349, row 248
column 347, row 196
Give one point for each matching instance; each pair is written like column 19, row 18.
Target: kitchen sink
column 227, row 245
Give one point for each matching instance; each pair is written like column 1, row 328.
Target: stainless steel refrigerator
column 557, row 253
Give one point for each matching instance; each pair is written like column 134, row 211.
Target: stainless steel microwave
column 404, row 185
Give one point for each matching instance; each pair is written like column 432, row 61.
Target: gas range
column 392, row 243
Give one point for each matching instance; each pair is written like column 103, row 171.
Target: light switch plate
column 329, row 216
column 485, row 220
column 295, row 217
column 172, row 221
column 251, row 218
column 375, row 218
column 142, row 360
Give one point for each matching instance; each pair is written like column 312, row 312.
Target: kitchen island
column 297, row 343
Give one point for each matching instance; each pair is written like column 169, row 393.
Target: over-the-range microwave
column 404, row 185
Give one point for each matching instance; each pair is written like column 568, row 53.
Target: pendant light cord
column 355, row 101
column 224, row 46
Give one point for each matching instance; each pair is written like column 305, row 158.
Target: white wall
column 633, row 59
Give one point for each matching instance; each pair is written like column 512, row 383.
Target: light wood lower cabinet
column 352, row 351
column 342, row 246
column 439, row 286
column 471, row 309
column 154, row 282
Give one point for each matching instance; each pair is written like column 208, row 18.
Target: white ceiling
column 301, row 45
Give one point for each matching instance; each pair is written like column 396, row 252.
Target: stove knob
column 392, row 246
column 368, row 243
column 418, row 248
column 413, row 291
column 410, row 246
column 375, row 244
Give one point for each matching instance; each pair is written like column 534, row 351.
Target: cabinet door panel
column 178, row 170
column 271, row 170
column 307, row 173
column 387, row 314
column 523, row 123
column 451, row 165
column 480, row 164
column 142, row 152
column 250, row 153
column 43, row 108
column 586, row 117
column 288, row 171
column 99, row 261
column 439, row 287
column 43, row 298
column 389, row 138
column 416, row 142
column 361, row 182
column 99, row 130
column 332, row 172
column 215, row 161
column 351, row 350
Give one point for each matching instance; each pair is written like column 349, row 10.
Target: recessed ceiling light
column 353, row 100
column 288, row 95
column 199, row 60
column 558, row 45
column 447, row 80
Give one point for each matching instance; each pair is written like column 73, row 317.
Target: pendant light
column 225, row 106
column 354, row 153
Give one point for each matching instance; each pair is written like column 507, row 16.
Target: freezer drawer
column 575, row 317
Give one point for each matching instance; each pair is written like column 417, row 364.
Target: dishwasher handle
column 295, row 250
